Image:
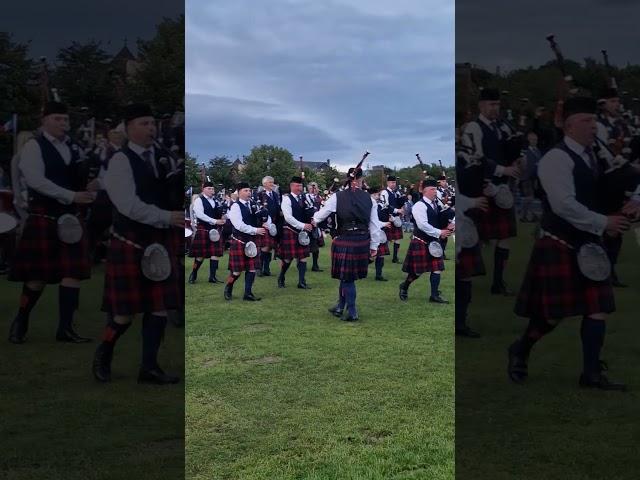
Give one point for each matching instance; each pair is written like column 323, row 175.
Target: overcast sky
column 326, row 79
column 512, row 34
column 50, row 25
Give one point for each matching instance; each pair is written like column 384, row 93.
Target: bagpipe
column 173, row 179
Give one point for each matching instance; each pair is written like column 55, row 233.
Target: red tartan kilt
column 202, row 247
column 350, row 256
column 127, row 291
column 393, row 232
column 266, row 240
column 40, row 256
column 383, row 249
column 175, row 241
column 238, row 261
column 496, row 223
column 469, row 263
column 289, row 248
column 554, row 287
column 418, row 259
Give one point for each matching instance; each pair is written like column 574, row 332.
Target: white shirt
column 419, row 212
column 330, row 207
column 198, row 209
column 474, row 129
column 377, row 219
column 288, row 214
column 384, row 196
column 235, row 215
column 121, row 188
column 555, row 172
column 32, row 168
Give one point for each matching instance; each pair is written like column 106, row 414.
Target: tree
column 160, row 79
column 328, row 175
column 192, row 175
column 269, row 160
column 84, row 80
column 219, row 170
column 16, row 96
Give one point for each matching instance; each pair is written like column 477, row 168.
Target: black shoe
column 336, row 311
column 316, row 268
column 280, row 281
column 101, row 367
column 381, row 279
column 395, row 260
column 250, row 297
column 304, row 286
column 69, row 336
column 228, row 291
column 18, row 331
column 617, row 283
column 601, row 382
column 266, row 273
column 517, row 368
column 214, row 280
column 501, row 290
column 192, row 277
column 350, row 318
column 404, row 292
column 438, row 299
column 156, row 376
column 466, row 332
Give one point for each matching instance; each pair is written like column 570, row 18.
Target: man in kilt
column 246, row 228
column 136, row 183
column 317, row 237
column 555, row 286
column 269, row 243
column 468, row 263
column 394, row 200
column 51, row 166
column 611, row 126
column 486, row 138
column 296, row 219
column 419, row 259
column 208, row 213
column 383, row 248
column 356, row 241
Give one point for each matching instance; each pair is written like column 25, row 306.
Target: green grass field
column 58, row 423
column 548, row 428
column 281, row 389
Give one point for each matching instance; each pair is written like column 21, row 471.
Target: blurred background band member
column 426, row 219
column 246, row 228
column 208, row 215
column 135, row 185
column 394, row 199
column 555, row 286
column 269, row 243
column 51, row 167
column 485, row 138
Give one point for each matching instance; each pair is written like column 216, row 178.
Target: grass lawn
column 548, row 428
column 281, row 389
column 58, row 423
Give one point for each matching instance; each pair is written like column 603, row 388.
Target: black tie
column 593, row 163
column 147, row 158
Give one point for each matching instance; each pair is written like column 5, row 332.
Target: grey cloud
column 350, row 75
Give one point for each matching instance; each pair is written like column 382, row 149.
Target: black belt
column 352, row 230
